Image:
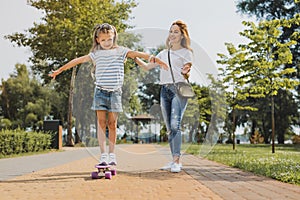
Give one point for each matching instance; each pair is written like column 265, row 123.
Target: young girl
column 173, row 105
column 108, row 59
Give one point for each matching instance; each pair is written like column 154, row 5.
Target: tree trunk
column 233, row 129
column 70, row 139
column 273, row 124
column 78, row 132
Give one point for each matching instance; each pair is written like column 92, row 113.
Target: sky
column 210, row 23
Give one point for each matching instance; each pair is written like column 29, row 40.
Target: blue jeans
column 172, row 107
column 110, row 101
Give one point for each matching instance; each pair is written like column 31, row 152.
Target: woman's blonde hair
column 185, row 41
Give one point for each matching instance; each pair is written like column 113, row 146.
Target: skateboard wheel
column 94, row 175
column 107, row 175
column 113, row 172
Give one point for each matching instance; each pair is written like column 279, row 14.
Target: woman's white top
column 178, row 58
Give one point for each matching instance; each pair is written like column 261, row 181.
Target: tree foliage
column 25, row 102
column 259, row 69
column 269, row 9
column 277, row 10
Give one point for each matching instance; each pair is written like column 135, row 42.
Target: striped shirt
column 109, row 71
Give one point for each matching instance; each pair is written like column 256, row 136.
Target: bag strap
column 169, row 60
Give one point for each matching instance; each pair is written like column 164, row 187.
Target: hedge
column 19, row 141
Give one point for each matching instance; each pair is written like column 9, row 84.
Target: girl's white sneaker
column 103, row 159
column 112, row 159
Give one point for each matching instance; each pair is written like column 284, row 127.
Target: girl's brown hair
column 103, row 28
column 185, row 41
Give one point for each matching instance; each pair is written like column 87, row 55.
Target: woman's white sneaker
column 176, row 167
column 169, row 166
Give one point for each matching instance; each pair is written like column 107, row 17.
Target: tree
column 234, row 84
column 286, row 115
column 272, row 10
column 218, row 110
column 269, row 9
column 198, row 114
column 65, row 33
column 24, row 101
column 285, row 104
column 262, row 66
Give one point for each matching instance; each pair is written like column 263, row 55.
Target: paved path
column 66, row 175
column 10, row 168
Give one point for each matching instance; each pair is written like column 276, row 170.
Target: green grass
column 283, row 165
column 28, row 153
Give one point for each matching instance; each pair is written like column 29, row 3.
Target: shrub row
column 19, row 141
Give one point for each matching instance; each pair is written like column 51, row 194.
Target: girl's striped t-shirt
column 109, row 72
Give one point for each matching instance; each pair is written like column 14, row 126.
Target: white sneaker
column 169, row 166
column 112, row 159
column 103, row 159
column 176, row 167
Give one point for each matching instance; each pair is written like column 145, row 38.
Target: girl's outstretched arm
column 70, row 64
column 150, row 58
column 144, row 65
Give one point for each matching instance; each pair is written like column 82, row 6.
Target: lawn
column 283, row 165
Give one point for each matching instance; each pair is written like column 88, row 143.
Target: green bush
column 19, row 141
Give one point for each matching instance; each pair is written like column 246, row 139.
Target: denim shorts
column 110, row 101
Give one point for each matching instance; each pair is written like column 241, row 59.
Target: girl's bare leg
column 101, row 129
column 112, row 127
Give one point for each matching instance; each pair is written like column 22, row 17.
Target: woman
column 172, row 104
